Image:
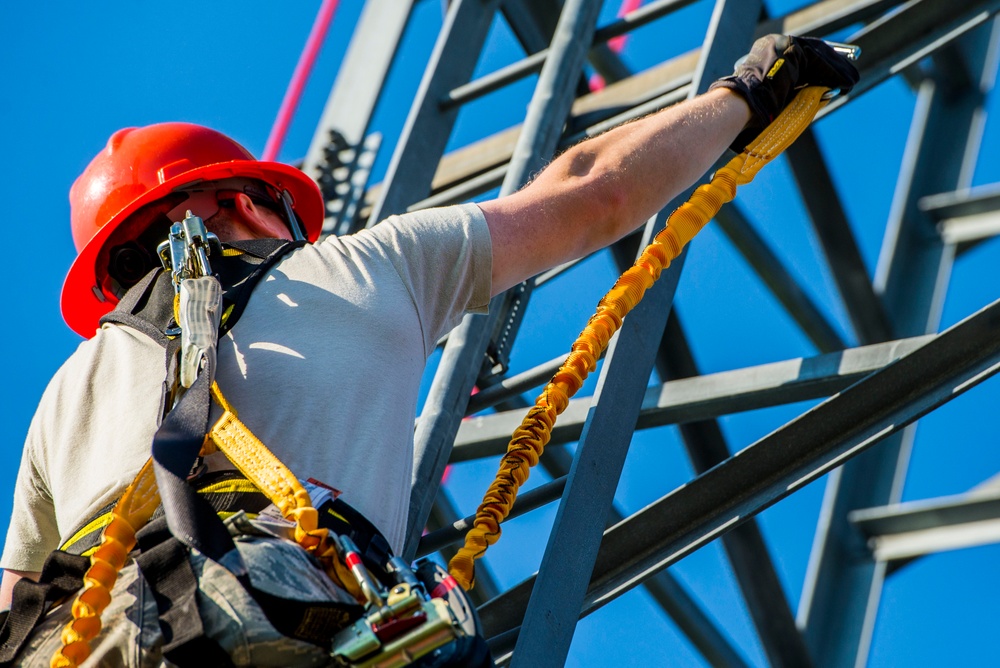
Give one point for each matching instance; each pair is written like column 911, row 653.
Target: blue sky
column 76, row 72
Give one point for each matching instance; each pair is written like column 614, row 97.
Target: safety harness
column 400, row 614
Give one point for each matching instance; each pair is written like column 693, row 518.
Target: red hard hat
column 142, row 165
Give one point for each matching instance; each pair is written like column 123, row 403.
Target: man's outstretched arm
column 602, row 189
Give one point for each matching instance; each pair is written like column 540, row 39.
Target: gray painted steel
column 778, row 279
column 463, row 353
column 423, row 141
column 703, row 397
column 551, row 616
column 344, row 123
column 837, row 240
column 918, row 528
column 841, row 597
column 779, row 464
column 965, row 217
column 745, row 546
column 429, row 124
column 666, row 590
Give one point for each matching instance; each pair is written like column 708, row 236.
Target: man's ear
column 261, row 221
column 245, row 206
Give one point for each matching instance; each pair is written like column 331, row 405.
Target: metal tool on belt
column 399, row 626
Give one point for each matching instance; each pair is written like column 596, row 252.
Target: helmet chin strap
column 291, row 218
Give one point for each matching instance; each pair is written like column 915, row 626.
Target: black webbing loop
column 239, row 278
column 61, row 576
column 148, row 306
column 163, row 562
column 372, row 545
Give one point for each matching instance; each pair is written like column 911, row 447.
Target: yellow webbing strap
column 93, row 527
column 265, row 470
column 530, row 438
column 280, row 485
column 132, row 512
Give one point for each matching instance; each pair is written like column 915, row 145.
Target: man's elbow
column 609, row 208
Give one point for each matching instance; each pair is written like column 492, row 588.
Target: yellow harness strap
column 279, row 484
column 529, row 440
column 131, row 513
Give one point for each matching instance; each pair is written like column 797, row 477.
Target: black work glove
column 776, row 67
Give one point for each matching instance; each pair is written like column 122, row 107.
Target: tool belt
column 423, row 606
column 229, row 492
column 163, row 562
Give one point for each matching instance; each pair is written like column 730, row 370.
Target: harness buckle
column 185, row 251
column 185, row 254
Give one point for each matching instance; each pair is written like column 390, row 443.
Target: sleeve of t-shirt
column 33, row 532
column 444, row 258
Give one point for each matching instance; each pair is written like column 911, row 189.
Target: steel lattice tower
column 864, row 391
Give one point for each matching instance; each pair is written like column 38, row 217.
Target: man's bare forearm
column 601, row 189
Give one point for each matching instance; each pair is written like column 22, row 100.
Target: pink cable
column 616, row 44
column 302, row 70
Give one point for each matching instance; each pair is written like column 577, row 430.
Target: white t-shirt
column 324, row 366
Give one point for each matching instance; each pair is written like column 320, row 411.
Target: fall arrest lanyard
column 529, row 439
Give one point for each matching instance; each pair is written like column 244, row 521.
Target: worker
column 324, row 362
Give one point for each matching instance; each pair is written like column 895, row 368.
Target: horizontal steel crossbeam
column 918, row 528
column 779, row 464
column 703, row 397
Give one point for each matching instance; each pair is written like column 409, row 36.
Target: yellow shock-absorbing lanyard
column 529, row 439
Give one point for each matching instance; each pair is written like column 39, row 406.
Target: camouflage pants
column 131, row 636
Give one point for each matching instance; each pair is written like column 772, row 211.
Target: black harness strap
column 148, row 307
column 163, row 562
column 313, row 622
column 146, row 304
column 176, row 445
column 62, row 575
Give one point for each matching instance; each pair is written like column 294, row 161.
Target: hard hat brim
column 83, row 302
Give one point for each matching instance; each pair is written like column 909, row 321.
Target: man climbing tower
column 358, row 315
